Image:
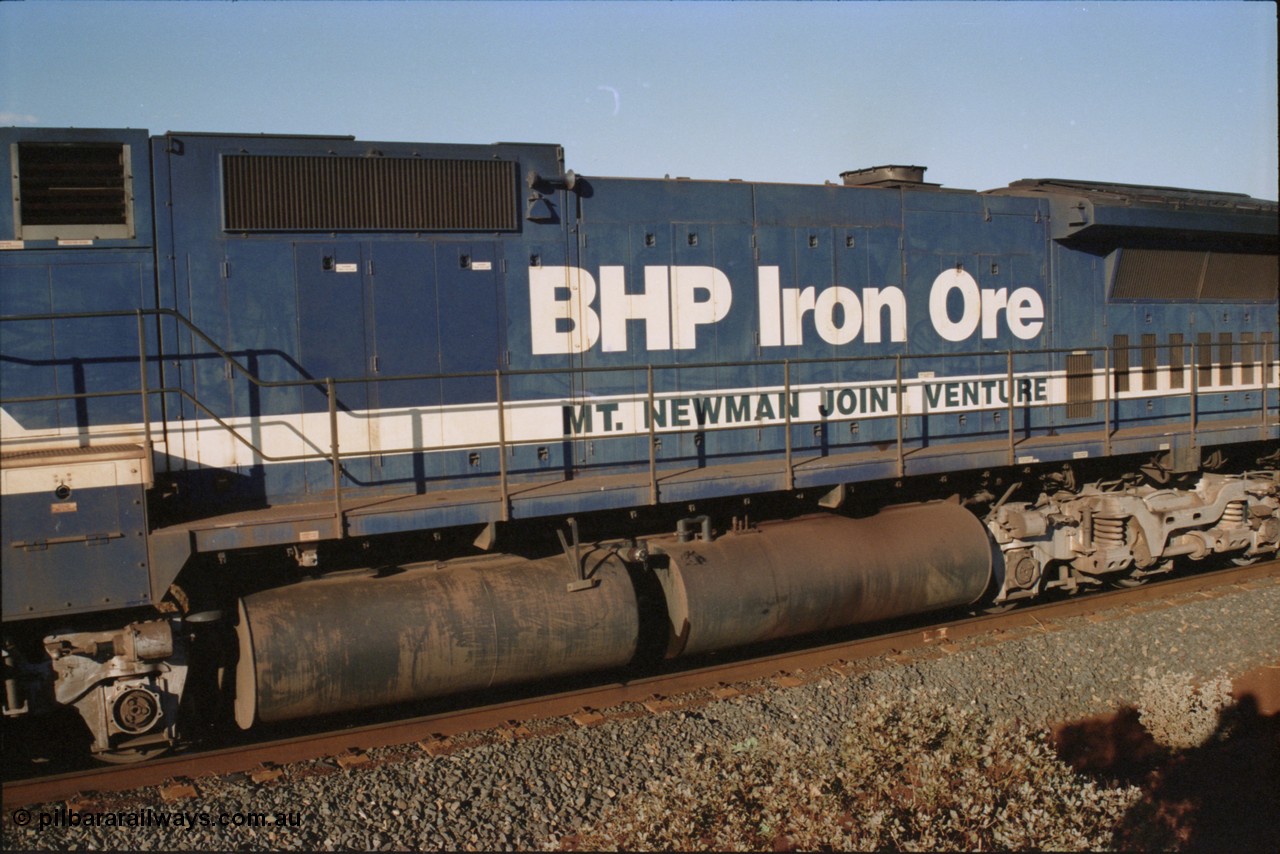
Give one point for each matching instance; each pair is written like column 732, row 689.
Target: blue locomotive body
column 220, row 343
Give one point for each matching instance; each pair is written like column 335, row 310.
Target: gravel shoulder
column 508, row 793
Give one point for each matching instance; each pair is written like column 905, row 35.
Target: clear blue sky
column 1180, row 94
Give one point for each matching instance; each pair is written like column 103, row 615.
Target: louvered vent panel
column 1248, row 355
column 1204, row 359
column 1226, row 359
column 72, row 184
column 1177, row 360
column 1149, row 359
column 1252, row 277
column 1080, row 385
column 1122, row 360
column 282, row 193
column 1158, row 274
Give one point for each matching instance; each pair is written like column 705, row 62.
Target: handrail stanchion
column 1106, row 376
column 653, row 452
column 143, row 387
column 1195, row 387
column 897, row 363
column 334, row 455
column 786, row 411
column 1009, row 392
column 502, row 451
column 1262, row 347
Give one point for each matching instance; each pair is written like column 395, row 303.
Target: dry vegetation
column 916, row 774
column 1178, row 713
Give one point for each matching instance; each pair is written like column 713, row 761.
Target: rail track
column 440, row 733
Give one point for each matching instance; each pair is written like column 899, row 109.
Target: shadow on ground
column 1221, row 796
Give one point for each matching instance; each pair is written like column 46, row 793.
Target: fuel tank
column 343, row 643
column 821, row 572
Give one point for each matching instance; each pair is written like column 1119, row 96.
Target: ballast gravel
column 528, row 792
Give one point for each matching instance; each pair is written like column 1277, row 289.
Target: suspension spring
column 1234, row 514
column 1109, row 532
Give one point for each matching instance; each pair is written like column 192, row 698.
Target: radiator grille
column 1251, row 277
column 1175, row 274
column 1158, row 274
column 294, row 193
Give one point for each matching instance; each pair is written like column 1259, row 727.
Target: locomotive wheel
column 1137, row 577
column 1127, row 582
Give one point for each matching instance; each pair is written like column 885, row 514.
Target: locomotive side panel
column 74, row 530
column 1183, row 312
column 981, row 292
column 828, row 301
column 76, row 241
column 666, row 257
column 412, row 287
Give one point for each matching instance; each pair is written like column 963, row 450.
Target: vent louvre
column 299, row 193
column 1158, row 274
column 1175, row 274
column 72, row 190
column 1149, row 362
column 1204, row 359
column 1080, row 385
column 1251, row 277
column 1120, row 349
column 1226, row 359
column 1177, row 359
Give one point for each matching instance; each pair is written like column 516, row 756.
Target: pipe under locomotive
column 289, row 423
